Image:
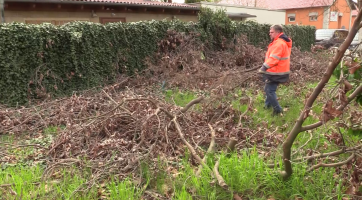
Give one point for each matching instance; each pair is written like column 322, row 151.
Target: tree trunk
column 298, row 126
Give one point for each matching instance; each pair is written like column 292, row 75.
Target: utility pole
column 2, row 11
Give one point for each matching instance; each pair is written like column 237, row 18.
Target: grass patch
column 247, row 174
column 24, row 182
column 178, row 97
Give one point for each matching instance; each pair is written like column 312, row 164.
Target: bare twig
column 332, row 164
column 192, row 150
column 191, row 103
column 310, row 139
column 242, row 115
column 231, row 145
column 210, row 150
column 334, row 153
column 218, row 177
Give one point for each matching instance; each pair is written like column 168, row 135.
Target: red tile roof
column 136, row 2
column 289, row 4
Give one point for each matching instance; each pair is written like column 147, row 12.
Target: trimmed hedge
column 42, row 60
column 258, row 34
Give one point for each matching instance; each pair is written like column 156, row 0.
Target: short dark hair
column 277, row 28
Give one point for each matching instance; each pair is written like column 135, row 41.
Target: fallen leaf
column 329, row 112
column 347, row 86
column 352, row 68
column 343, row 98
column 351, row 190
column 237, row 197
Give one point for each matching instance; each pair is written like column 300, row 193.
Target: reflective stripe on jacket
column 277, row 58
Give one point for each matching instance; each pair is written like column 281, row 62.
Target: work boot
column 277, row 113
column 267, row 107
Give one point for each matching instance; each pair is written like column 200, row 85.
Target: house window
column 57, row 22
column 106, row 20
column 291, row 17
column 313, row 18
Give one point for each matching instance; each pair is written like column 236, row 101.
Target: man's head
column 275, row 30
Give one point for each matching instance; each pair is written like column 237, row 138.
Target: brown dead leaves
column 347, row 86
column 330, row 112
column 352, row 66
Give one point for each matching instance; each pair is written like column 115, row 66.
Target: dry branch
column 332, row 164
column 231, row 145
column 191, row 103
column 334, row 153
column 340, row 108
column 218, row 177
column 192, row 150
column 244, row 113
column 210, row 150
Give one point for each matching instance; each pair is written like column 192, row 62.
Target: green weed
column 178, row 97
column 247, row 174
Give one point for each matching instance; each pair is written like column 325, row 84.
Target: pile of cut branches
column 117, row 129
column 184, row 61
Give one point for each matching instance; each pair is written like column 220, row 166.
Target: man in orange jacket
column 276, row 67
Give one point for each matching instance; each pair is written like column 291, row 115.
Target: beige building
column 260, row 15
column 59, row 12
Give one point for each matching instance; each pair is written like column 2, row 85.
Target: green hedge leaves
column 42, row 61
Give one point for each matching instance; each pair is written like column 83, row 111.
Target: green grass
column 24, row 182
column 178, row 97
column 247, row 174
column 123, row 190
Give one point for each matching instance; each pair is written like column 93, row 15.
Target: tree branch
column 192, row 150
column 191, row 103
column 297, row 128
column 333, row 153
column 340, row 108
column 210, row 150
column 332, row 164
column 231, row 145
column 219, row 178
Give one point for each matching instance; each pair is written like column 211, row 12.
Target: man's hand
column 262, row 70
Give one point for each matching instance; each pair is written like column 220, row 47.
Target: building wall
column 324, row 16
column 262, row 15
column 352, row 21
column 302, row 16
column 342, row 7
column 22, row 16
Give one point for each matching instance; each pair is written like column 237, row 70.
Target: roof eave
column 105, row 3
column 300, row 8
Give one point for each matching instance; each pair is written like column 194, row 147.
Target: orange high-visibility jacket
column 277, row 58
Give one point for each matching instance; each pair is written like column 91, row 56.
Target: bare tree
column 329, row 111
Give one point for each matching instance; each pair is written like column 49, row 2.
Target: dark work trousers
column 271, row 96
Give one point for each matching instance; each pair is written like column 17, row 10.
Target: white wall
column 262, row 15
